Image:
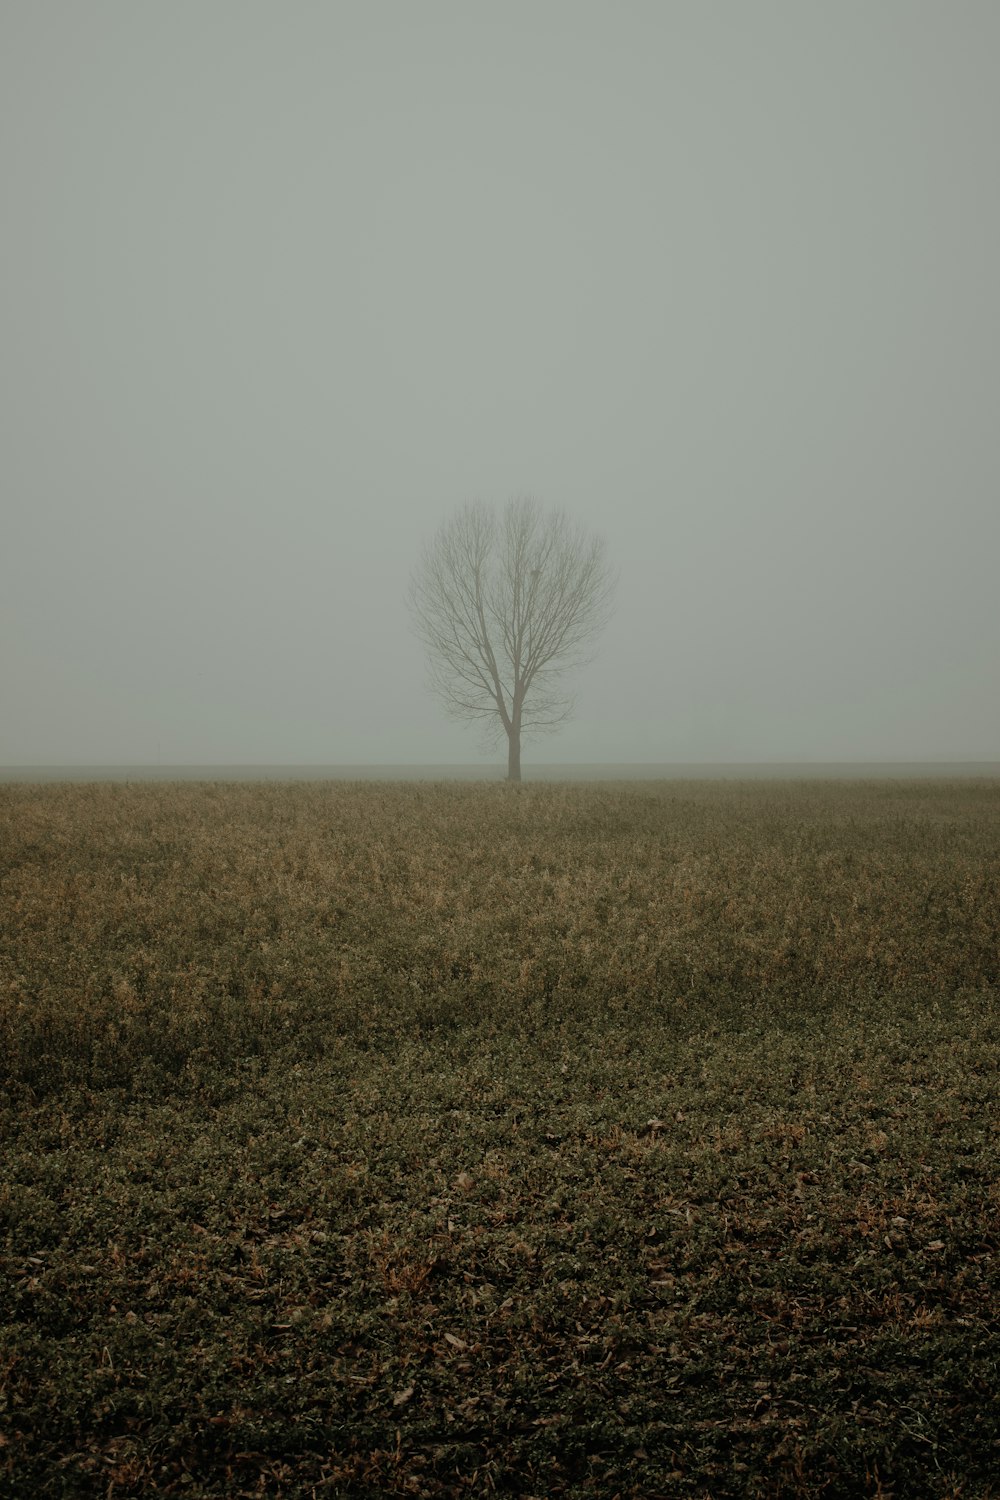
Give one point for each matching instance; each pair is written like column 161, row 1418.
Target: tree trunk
column 514, row 753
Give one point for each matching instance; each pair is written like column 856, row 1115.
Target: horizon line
column 152, row 765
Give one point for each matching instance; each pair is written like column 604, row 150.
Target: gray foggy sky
column 284, row 284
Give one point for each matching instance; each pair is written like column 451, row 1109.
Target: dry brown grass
column 402, row 1140
column 144, row 923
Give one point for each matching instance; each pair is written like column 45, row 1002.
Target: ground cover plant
column 366, row 1139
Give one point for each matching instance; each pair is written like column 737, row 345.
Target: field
column 457, row 1139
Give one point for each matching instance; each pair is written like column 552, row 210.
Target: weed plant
column 407, row 1139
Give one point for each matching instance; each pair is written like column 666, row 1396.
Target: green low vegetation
column 452, row 1140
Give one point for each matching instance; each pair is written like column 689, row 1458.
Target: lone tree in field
column 506, row 605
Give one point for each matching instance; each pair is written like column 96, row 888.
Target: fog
column 284, row 285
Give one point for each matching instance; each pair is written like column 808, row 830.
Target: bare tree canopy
column 506, row 605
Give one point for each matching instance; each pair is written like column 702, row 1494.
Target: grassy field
column 447, row 1140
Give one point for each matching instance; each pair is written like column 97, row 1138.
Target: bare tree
column 505, row 605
